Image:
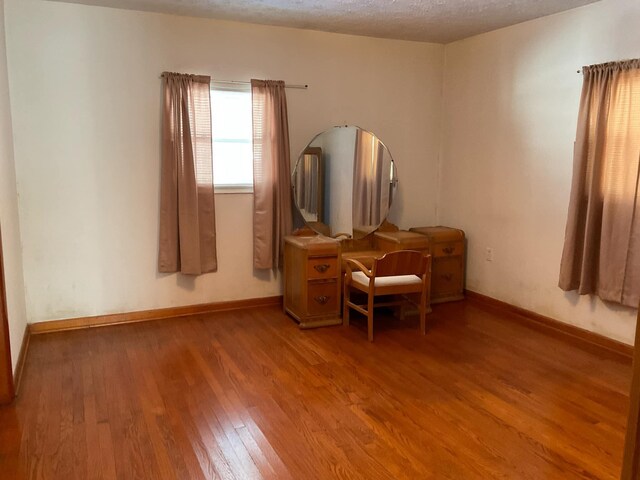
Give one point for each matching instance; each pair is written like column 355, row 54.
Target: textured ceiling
column 439, row 21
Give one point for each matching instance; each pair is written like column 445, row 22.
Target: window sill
column 225, row 189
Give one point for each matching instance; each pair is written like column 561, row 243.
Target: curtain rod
column 244, row 82
column 608, row 63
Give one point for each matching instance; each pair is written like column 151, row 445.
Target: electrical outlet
column 488, row 255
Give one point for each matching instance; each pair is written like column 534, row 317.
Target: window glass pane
column 231, row 132
column 236, row 167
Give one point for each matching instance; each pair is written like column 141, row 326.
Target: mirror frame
column 324, row 228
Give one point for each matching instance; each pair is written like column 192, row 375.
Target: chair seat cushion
column 361, row 279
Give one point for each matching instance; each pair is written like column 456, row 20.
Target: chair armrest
column 352, row 262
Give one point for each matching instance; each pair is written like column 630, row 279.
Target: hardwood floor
column 248, row 395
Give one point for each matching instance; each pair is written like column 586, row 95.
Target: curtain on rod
column 187, row 211
column 602, row 240
column 272, row 219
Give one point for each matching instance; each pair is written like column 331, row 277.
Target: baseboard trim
column 148, row 315
column 22, row 358
column 556, row 327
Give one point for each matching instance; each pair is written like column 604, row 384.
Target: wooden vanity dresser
column 447, row 249
column 312, row 280
column 314, row 266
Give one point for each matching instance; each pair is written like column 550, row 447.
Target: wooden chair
column 402, row 272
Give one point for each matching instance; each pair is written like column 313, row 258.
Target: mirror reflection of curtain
column 371, row 176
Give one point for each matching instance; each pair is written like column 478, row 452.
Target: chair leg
column 346, row 298
column 370, row 317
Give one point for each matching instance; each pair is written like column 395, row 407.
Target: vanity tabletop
column 315, row 243
column 399, row 236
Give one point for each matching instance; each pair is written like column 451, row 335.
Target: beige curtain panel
column 187, row 213
column 271, row 173
column 602, row 241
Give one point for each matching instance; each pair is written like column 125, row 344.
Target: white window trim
column 233, row 189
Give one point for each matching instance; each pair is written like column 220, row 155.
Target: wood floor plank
column 247, row 395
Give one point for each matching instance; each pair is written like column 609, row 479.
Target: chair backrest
column 401, row 262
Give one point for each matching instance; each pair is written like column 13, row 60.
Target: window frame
column 230, row 188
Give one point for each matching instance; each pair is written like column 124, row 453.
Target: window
column 232, row 138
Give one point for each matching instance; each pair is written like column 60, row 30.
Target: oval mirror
column 344, row 182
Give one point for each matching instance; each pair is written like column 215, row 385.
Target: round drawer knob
column 321, row 299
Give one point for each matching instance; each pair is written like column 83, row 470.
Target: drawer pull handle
column 322, row 267
column 446, row 276
column 322, row 299
column 448, row 250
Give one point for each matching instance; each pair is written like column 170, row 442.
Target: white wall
column 11, row 248
column 511, row 102
column 86, row 108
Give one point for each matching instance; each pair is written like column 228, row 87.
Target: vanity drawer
column 446, row 277
column 322, row 297
column 447, row 249
column 312, row 280
column 322, row 267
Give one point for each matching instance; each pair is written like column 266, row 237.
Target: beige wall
column 511, row 101
column 86, row 103
column 9, row 211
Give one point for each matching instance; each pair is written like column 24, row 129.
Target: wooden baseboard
column 555, row 327
column 22, row 357
column 147, row 315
